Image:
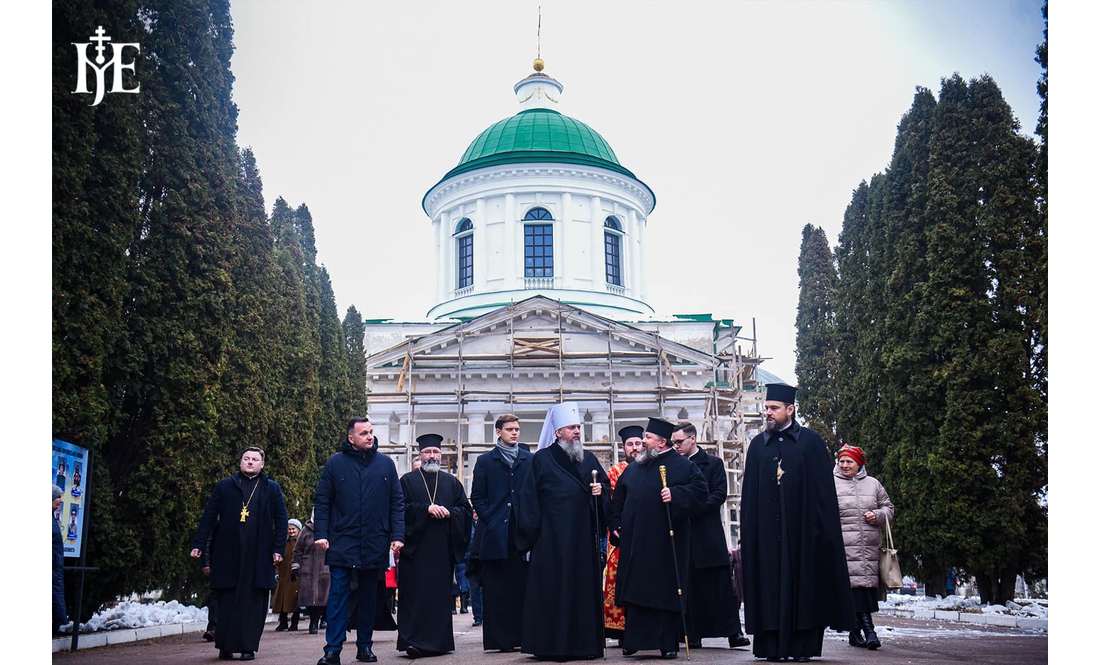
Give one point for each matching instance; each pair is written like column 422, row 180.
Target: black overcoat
column 647, row 577
column 792, row 552
column 495, row 496
column 563, row 608
column 708, row 538
column 266, row 506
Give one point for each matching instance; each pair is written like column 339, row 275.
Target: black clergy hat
column 660, row 427
column 630, row 432
column 780, row 392
column 429, row 441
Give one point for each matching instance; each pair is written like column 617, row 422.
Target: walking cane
column 676, row 565
column 599, row 551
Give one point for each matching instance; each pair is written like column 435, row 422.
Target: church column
column 481, row 254
column 513, row 279
column 596, row 216
column 446, row 250
column 475, row 430
column 440, row 287
column 513, row 247
column 633, row 258
column 601, row 427
column 565, row 216
column 643, row 288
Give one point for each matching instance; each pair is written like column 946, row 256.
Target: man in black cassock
column 652, row 572
column 249, row 542
column 792, row 551
column 437, row 530
column 714, row 610
column 561, row 514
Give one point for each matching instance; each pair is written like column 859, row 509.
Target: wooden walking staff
column 599, row 549
column 676, row 564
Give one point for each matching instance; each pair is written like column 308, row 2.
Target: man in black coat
column 242, row 564
column 714, row 610
column 358, row 520
column 792, row 551
column 502, row 572
column 561, row 514
column 653, row 571
column 437, row 531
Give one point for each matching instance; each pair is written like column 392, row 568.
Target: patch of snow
column 133, row 614
column 1031, row 607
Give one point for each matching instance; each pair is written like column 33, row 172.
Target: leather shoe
column 414, row 652
column 669, row 655
column 225, row 655
column 739, row 641
column 629, row 652
column 365, row 655
column 208, row 636
column 696, row 644
column 476, row 623
column 330, row 658
column 248, row 655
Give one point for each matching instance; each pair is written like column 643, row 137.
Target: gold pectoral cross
column 244, row 513
column 778, row 475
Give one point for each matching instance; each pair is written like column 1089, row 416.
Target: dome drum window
column 464, row 254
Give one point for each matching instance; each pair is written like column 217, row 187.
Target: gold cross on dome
column 778, row 475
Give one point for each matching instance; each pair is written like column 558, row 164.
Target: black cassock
column 792, row 551
column 714, row 608
column 563, row 608
column 647, row 584
column 426, row 570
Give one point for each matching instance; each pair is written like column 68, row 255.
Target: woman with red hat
column 864, row 508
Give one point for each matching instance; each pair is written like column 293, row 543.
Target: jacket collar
column 795, row 430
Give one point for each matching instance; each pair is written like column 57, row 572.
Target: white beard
column 646, row 456
column 430, row 467
column 575, row 450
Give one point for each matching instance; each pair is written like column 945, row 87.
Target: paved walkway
column 905, row 641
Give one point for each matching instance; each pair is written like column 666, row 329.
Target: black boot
column 465, row 599
column 855, row 638
column 454, row 599
column 282, row 623
column 868, row 630
column 294, row 619
column 314, row 619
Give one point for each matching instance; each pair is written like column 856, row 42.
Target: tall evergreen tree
column 354, row 331
column 815, row 347
column 941, row 300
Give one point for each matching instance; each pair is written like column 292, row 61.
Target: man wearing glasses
column 243, row 553
column 713, row 605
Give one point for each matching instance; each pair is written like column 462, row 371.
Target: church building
column 540, row 297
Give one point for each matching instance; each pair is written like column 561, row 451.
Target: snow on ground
column 137, row 614
column 1032, row 607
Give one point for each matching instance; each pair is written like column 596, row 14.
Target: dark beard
column 574, row 449
column 775, row 426
column 646, row 456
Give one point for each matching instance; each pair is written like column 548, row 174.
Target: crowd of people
column 555, row 553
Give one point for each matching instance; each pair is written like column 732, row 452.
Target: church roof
column 539, row 135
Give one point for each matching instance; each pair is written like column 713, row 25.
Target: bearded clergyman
column 562, row 513
column 438, row 519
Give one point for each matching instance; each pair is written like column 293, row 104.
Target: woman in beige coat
column 864, row 508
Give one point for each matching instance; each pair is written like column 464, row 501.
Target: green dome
column 539, row 135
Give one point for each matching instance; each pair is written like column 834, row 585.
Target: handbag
column 889, row 570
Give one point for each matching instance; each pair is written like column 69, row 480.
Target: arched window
column 613, row 251
column 464, row 253
column 538, row 244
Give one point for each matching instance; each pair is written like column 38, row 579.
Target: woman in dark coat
column 59, row 615
column 285, row 599
column 308, row 565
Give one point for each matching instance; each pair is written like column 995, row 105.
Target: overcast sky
column 747, row 119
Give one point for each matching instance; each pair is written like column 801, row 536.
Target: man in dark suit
column 713, row 610
column 498, row 477
column 249, row 542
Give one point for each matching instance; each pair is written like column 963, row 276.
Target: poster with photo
column 67, row 471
